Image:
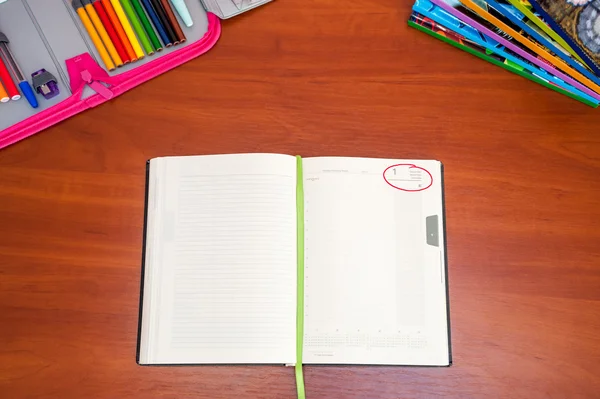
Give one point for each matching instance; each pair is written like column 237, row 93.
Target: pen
column 26, row 88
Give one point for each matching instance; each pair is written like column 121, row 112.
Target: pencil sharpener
column 45, row 84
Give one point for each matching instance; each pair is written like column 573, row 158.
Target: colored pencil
column 89, row 27
column 89, row 8
column 11, row 88
column 157, row 24
column 164, row 20
column 139, row 10
column 173, row 21
column 135, row 27
column 116, row 23
column 110, row 30
column 3, row 94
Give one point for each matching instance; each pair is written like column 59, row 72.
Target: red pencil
column 12, row 90
column 110, row 29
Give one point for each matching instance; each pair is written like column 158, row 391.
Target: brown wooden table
column 315, row 77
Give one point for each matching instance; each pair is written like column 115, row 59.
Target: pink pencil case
column 47, row 34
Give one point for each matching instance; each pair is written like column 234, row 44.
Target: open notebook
column 265, row 258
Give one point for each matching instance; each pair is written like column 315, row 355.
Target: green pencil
column 147, row 26
column 137, row 26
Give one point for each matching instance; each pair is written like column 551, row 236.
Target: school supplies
column 108, row 24
column 127, row 28
column 461, row 16
column 89, row 27
column 5, row 77
column 244, row 254
column 172, row 21
column 530, row 38
column 167, row 39
column 111, row 32
column 575, row 21
column 3, row 94
column 511, row 39
column 78, row 70
column 525, row 7
column 183, row 12
column 162, row 15
column 148, row 29
column 497, row 56
column 97, row 23
column 136, row 25
column 16, row 71
column 45, row 84
column 505, row 11
column 121, row 36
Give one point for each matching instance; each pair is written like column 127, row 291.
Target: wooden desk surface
column 315, row 77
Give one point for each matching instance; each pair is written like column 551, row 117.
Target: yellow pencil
column 128, row 29
column 102, row 32
column 89, row 27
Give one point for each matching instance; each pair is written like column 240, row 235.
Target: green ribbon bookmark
column 300, row 279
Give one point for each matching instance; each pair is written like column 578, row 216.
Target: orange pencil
column 89, row 27
column 3, row 94
column 112, row 15
column 91, row 11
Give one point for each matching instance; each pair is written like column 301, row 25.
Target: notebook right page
column 375, row 280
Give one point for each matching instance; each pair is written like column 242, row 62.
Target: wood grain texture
column 314, row 77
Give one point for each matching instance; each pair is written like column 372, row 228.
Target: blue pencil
column 157, row 24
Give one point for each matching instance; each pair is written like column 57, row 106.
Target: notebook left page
column 220, row 260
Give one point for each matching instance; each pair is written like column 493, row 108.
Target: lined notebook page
column 223, row 281
column 374, row 289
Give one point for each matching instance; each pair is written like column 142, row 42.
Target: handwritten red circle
column 410, row 166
